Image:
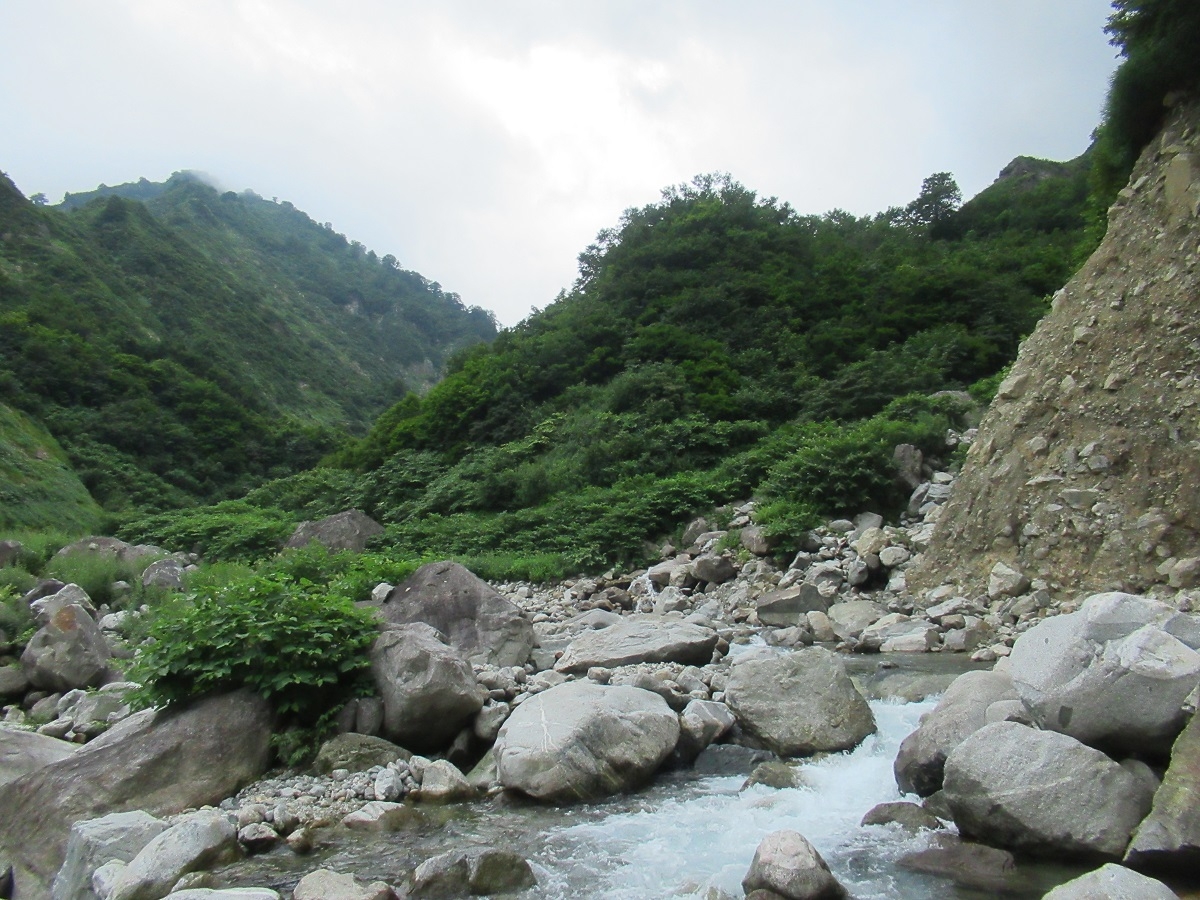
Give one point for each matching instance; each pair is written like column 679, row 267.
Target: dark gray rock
column 357, row 753
column 909, row 816
column 347, row 530
column 1170, row 835
column 968, row 864
column 484, row 626
column 66, row 653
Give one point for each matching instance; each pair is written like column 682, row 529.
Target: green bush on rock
column 294, row 643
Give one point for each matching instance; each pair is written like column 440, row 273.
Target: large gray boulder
column 1170, row 835
column 579, row 741
column 192, row 844
column 94, row 842
column 1113, row 675
column 1112, row 882
column 67, row 652
column 960, row 713
column 1042, row 793
column 799, row 703
column 160, row 761
column 790, row 606
column 639, row 639
column 483, row 626
column 325, row 884
column 98, row 545
column 787, row 865
column 429, row 691
column 350, row 529
column 22, row 752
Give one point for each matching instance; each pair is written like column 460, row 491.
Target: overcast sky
column 486, row 143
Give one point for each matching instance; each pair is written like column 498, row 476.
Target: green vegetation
column 1158, row 40
column 38, row 488
column 185, row 348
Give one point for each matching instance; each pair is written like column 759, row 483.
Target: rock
column 1111, row 675
column 22, row 752
column 1185, row 573
column 68, row 652
column 907, row 461
column 787, row 864
column 194, row 843
column 694, row 529
column 10, row 551
column 1112, row 882
column 442, row 782
column 755, row 541
column 482, row 871
column 580, row 741
column 166, row 573
column 429, row 691
column 13, row 681
column 1170, row 835
column 898, row 633
column 852, row 618
column 380, row 815
column 490, row 718
column 799, row 703
column 251, row 893
column 701, row 723
column 960, row 713
column 1005, row 581
column 160, row 761
column 730, row 759
column 1042, row 793
column 713, row 568
column 46, row 606
column 325, row 884
column 482, row 625
column 970, row 865
column 357, row 753
column 775, row 773
column 258, row 837
column 908, row 816
column 639, row 639
column 790, row 606
column 93, row 842
column 108, row 546
column 347, row 530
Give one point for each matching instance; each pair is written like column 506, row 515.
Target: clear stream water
column 683, row 837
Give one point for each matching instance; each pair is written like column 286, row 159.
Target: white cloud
column 485, row 144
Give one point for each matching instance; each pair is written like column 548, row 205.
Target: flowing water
column 682, row 837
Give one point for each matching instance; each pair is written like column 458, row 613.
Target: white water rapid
column 697, row 839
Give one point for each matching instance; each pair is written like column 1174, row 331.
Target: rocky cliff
column 1086, row 472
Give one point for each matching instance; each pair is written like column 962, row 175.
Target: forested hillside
column 715, row 346
column 183, row 348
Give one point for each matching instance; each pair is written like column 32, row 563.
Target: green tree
column 938, row 201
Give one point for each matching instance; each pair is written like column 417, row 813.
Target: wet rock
column 195, row 843
column 799, row 703
column 480, row 872
column 580, row 741
column 93, row 842
column 1042, row 793
column 909, row 816
column 357, row 753
column 965, row 863
column 787, row 864
column 1113, row 883
column 325, row 884
column 701, row 723
column 381, row 815
column 442, row 782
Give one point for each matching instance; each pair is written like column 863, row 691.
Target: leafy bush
column 537, row 568
column 96, row 573
column 16, row 621
column 295, row 644
column 229, row 531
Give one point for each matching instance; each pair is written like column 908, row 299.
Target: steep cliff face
column 1087, row 467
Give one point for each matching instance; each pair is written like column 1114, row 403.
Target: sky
column 485, row 144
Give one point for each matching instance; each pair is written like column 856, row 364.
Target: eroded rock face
column 482, row 625
column 639, row 639
column 1043, row 793
column 1113, row 675
column 580, row 741
column 799, row 703
column 429, row 691
column 1085, row 469
column 161, row 762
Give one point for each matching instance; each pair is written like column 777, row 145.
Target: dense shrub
column 234, row 530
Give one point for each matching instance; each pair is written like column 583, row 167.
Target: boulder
column 166, row 573
column 429, row 691
column 799, row 703
column 482, row 625
column 194, row 843
column 357, row 753
column 22, row 752
column 1112, row 882
column 960, row 713
column 249, row 893
column 852, row 618
column 639, row 639
column 347, row 530
column 908, row 816
column 94, row 842
column 970, row 865
column 701, row 723
column 325, row 884
column 1114, row 675
column 13, row 681
column 791, row 606
column 1170, row 835
column 442, row 782
column 45, row 606
column 109, row 546
column 1042, row 793
column 755, row 541
column 66, row 653
column 383, row 815
column 713, row 568
column 579, row 741
column 788, row 865
column 482, row 871
column 160, row 761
